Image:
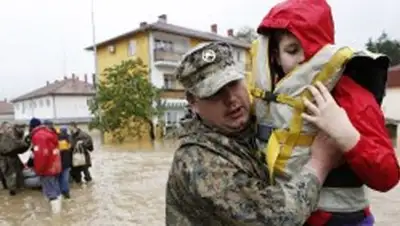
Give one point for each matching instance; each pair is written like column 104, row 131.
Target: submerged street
column 128, row 189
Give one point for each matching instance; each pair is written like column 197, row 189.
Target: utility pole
column 96, row 72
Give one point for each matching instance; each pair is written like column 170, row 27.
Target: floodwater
column 128, row 189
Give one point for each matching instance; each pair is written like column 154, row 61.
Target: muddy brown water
column 128, row 189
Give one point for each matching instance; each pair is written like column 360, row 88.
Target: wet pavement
column 128, row 189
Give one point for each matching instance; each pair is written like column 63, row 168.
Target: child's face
column 291, row 53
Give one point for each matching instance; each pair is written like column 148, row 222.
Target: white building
column 391, row 106
column 62, row 102
column 6, row 111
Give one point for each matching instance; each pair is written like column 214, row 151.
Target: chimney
column 5, row 100
column 85, row 78
column 230, row 32
column 162, row 18
column 47, row 83
column 73, row 76
column 214, row 28
column 142, row 24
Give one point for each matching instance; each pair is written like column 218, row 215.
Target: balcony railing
column 167, row 55
column 172, row 86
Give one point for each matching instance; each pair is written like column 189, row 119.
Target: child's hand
column 328, row 116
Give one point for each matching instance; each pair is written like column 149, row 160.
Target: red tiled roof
column 6, row 108
column 394, row 77
column 68, row 86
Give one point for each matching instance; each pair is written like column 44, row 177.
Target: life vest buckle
column 270, row 97
column 264, row 132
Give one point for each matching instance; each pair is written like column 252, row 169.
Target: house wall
column 53, row 107
column 391, row 109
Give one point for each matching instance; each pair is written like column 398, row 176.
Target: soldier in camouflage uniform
column 217, row 176
column 11, row 144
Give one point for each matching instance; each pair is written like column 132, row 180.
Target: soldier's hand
column 325, row 155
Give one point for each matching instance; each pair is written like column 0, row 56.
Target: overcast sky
column 42, row 40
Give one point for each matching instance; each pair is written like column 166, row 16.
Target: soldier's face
column 228, row 109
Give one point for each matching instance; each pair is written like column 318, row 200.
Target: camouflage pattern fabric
column 12, row 172
column 10, row 165
column 10, row 144
column 207, row 68
column 220, row 180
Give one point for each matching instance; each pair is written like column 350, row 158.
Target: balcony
column 166, row 58
column 170, row 83
column 172, row 88
column 173, row 94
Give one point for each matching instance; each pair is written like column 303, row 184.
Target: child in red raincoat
column 297, row 30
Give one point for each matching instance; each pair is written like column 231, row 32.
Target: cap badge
column 209, row 55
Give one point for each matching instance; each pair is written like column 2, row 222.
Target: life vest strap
column 263, row 95
column 279, row 148
column 269, row 97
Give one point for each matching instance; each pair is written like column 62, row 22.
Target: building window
column 163, row 45
column 238, row 56
column 89, row 101
column 171, row 117
column 48, row 102
column 41, row 103
column 132, row 48
column 169, row 81
column 23, row 107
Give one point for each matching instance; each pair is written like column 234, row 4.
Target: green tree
column 247, row 34
column 384, row 44
column 126, row 100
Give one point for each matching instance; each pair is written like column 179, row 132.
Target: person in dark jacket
column 81, row 141
column 49, row 124
column 3, row 180
column 66, row 161
column 33, row 123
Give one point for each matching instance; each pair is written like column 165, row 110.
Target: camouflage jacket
column 10, row 145
column 220, row 180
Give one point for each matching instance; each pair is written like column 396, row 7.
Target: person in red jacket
column 47, row 161
column 296, row 31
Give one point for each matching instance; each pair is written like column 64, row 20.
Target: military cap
column 208, row 67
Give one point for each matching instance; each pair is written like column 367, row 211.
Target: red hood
column 309, row 20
